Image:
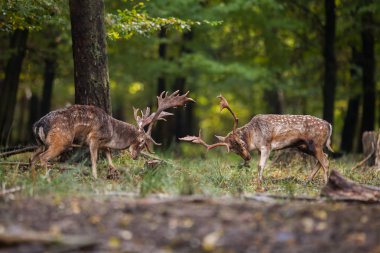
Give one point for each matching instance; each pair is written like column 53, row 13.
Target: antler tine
column 198, row 140
column 224, row 104
column 219, row 144
column 166, row 101
column 138, row 119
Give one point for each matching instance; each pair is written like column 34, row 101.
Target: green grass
column 212, row 174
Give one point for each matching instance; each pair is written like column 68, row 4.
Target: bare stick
column 361, row 163
column 18, row 151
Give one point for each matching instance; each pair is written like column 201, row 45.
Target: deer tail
column 328, row 142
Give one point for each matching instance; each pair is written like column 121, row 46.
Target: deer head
column 233, row 141
column 147, row 119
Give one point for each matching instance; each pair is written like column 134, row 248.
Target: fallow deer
column 58, row 130
column 267, row 132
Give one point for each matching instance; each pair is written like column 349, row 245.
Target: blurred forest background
column 265, row 56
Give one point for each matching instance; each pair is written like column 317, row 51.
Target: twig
column 28, row 149
column 359, row 164
column 149, row 156
column 18, row 151
column 14, row 163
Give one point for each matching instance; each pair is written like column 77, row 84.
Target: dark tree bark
column 275, row 101
column 349, row 128
column 368, row 77
column 159, row 131
column 49, row 76
column 371, row 148
column 352, row 115
column 9, row 86
column 89, row 51
column 330, row 80
column 34, row 115
column 183, row 116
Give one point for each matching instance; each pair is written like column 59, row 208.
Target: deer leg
column 323, row 162
column 35, row 155
column 264, row 154
column 314, row 172
column 109, row 158
column 94, row 157
column 51, row 152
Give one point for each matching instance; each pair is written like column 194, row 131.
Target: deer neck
column 246, row 136
column 123, row 135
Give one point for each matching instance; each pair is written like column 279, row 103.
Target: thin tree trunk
column 49, row 76
column 89, row 51
column 9, row 86
column 275, row 101
column 34, row 114
column 368, row 77
column 159, row 131
column 352, row 115
column 330, row 80
column 183, row 116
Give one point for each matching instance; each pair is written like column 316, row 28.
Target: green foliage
column 31, row 15
column 136, row 21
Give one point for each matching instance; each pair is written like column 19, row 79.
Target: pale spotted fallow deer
column 267, row 132
column 86, row 124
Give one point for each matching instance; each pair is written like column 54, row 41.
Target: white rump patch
column 41, row 134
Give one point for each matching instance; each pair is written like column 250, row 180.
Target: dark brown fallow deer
column 267, row 132
column 90, row 125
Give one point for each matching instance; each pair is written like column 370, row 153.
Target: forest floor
column 186, row 224
column 182, row 205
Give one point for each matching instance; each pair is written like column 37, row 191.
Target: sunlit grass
column 211, row 174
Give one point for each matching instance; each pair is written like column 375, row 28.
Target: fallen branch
column 14, row 163
column 27, row 149
column 340, row 188
column 362, row 162
column 18, row 151
column 150, row 156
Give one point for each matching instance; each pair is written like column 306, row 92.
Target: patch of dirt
column 189, row 224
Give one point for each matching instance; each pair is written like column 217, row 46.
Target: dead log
column 340, row 188
column 371, row 149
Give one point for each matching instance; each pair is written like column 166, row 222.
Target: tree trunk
column 330, row 81
column 349, row 128
column 275, row 101
column 9, row 86
column 368, row 77
column 352, row 115
column 183, row 116
column 49, row 76
column 371, row 148
column 159, row 131
column 34, row 115
column 89, row 52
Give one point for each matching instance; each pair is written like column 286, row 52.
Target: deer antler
column 224, row 104
column 198, row 140
column 165, row 102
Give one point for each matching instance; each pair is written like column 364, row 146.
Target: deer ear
column 221, row 138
